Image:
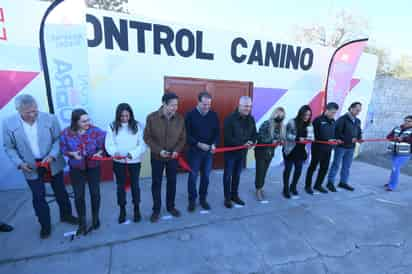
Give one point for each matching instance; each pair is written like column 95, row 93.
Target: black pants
column 262, row 166
column 40, row 205
column 133, row 170
column 158, row 166
column 322, row 158
column 231, row 175
column 78, row 179
column 296, row 174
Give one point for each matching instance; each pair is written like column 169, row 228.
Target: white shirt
column 32, row 137
column 125, row 142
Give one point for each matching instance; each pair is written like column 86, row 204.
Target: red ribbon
column 104, row 158
column 183, row 163
column 47, row 176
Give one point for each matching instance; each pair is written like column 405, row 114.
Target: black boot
column 82, row 230
column 137, row 216
column 320, row 188
column 122, row 214
column 308, row 190
column 95, row 221
column 293, row 189
column 286, row 192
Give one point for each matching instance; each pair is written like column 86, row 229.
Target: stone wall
column 391, row 102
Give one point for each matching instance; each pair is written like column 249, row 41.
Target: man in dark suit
column 239, row 130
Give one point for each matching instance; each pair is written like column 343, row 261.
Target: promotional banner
column 342, row 66
column 66, row 53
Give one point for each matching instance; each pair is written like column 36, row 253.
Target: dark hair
column 133, row 125
column 300, row 124
column 409, row 117
column 76, row 114
column 332, row 106
column 168, row 96
column 204, row 94
column 354, row 104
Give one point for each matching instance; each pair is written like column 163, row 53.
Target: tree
column 346, row 27
column 111, row 5
column 385, row 66
column 403, row 68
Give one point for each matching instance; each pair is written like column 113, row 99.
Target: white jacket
column 125, row 142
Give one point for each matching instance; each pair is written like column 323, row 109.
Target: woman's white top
column 126, row 142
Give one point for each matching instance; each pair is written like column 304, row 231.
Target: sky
column 389, row 21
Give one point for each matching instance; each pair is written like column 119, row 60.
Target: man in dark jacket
column 166, row 136
column 202, row 130
column 324, row 130
column 239, row 130
column 348, row 131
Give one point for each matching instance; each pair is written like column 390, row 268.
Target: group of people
column 36, row 145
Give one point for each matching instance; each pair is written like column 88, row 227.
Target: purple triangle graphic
column 353, row 83
column 264, row 99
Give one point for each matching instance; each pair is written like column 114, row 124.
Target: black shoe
column 137, row 216
column 238, row 201
column 192, row 206
column 69, row 219
column 155, row 217
column 122, row 215
column 331, row 187
column 82, row 229
column 228, row 204
column 345, row 186
column 309, row 190
column 286, row 193
column 293, row 190
column 205, row 205
column 6, row 228
column 174, row 212
column 320, row 189
column 45, row 233
column 95, row 223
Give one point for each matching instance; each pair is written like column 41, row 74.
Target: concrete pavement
column 365, row 231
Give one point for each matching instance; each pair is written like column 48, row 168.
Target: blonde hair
column 273, row 124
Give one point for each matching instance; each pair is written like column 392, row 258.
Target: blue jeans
column 398, row 161
column 231, row 175
column 342, row 156
column 40, row 204
column 199, row 161
column 158, row 166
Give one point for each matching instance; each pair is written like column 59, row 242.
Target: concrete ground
column 365, row 231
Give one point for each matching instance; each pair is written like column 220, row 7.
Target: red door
column 225, row 100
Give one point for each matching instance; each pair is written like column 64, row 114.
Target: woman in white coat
column 124, row 141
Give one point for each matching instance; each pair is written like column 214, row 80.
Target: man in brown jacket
column 166, row 136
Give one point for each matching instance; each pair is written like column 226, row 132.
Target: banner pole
column 43, row 55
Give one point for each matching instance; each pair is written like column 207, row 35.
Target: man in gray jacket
column 31, row 138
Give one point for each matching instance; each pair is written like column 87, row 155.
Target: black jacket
column 239, row 130
column 324, row 130
column 346, row 130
